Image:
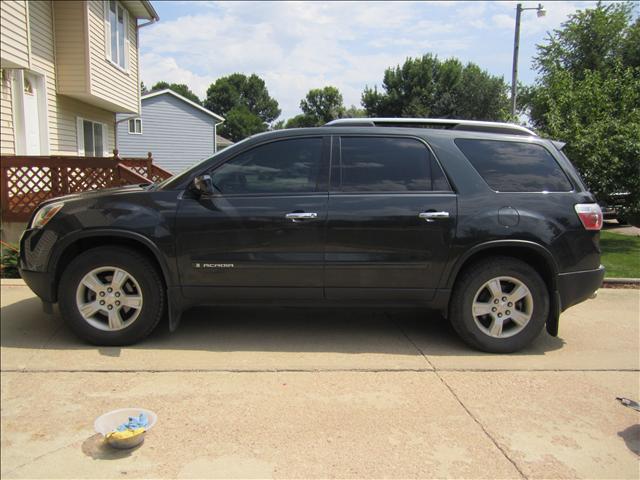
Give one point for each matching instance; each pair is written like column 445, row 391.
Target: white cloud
column 296, row 46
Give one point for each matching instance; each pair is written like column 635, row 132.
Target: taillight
column 590, row 215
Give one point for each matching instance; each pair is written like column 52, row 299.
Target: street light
column 541, row 12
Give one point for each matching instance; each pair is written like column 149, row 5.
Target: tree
column 319, row 106
column 179, row 88
column 354, row 112
column 588, row 94
column 302, row 121
column 247, row 100
column 323, row 104
column 241, row 123
column 429, row 87
column 143, row 89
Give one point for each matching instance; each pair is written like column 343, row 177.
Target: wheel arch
column 532, row 253
column 75, row 244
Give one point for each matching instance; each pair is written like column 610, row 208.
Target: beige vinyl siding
column 62, row 111
column 71, row 46
column 14, row 41
column 107, row 80
column 42, row 57
column 7, row 141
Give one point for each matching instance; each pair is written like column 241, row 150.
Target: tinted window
column 514, row 166
column 376, row 164
column 288, row 166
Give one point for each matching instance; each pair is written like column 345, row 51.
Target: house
column 178, row 131
column 67, row 68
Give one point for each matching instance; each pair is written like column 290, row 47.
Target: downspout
column 215, row 136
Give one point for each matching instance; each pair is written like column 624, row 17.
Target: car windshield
column 189, row 171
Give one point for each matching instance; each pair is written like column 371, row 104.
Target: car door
column 391, row 219
column 261, row 235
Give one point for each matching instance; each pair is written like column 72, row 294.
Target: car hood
column 91, row 194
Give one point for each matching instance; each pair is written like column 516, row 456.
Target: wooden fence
column 26, row 181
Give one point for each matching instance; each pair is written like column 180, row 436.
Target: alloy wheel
column 502, row 307
column 109, row 298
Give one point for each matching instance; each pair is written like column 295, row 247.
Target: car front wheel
column 111, row 296
column 499, row 305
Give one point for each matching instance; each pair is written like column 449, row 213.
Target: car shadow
column 631, row 437
column 232, row 329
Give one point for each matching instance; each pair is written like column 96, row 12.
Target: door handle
column 431, row 216
column 300, row 216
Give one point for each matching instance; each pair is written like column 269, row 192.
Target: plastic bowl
column 108, row 422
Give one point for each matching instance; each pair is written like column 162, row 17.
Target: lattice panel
column 27, row 181
column 28, row 187
column 87, row 178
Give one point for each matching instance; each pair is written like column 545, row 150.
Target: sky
column 296, row 46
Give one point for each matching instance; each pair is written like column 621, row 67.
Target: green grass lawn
column 620, row 255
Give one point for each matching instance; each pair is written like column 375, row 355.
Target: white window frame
column 107, row 31
column 80, row 136
column 136, row 122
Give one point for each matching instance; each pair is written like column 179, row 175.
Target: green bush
column 9, row 256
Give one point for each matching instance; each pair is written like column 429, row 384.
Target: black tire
column 468, row 284
column 139, row 267
column 622, row 220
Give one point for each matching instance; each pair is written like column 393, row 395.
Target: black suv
column 485, row 222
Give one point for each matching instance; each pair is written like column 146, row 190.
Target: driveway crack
column 448, row 387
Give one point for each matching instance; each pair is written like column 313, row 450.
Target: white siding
column 177, row 134
column 62, row 111
column 71, row 46
column 108, row 81
column 14, row 37
column 7, row 142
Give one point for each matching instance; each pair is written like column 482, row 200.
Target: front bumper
column 576, row 287
column 41, row 283
column 36, row 246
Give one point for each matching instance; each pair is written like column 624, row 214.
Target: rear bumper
column 576, row 287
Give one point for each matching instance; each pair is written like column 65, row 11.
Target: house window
column 116, row 43
column 135, row 125
column 91, row 138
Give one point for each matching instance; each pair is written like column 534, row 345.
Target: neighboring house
column 222, row 143
column 177, row 131
column 67, row 68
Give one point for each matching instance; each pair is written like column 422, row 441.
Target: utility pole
column 541, row 12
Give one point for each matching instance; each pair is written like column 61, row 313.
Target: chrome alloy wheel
column 109, row 298
column 502, row 307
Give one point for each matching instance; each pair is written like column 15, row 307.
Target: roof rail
column 444, row 123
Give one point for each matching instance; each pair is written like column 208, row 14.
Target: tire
column 85, row 283
column 474, row 294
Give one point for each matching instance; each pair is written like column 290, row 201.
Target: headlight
column 46, row 213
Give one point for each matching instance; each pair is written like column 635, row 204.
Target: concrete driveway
column 255, row 393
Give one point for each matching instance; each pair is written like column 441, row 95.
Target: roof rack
column 444, row 123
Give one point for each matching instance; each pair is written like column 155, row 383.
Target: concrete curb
column 622, row 281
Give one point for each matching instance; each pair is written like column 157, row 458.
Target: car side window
column 515, row 166
column 388, row 164
column 284, row 166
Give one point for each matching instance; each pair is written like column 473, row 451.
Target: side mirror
column 203, row 185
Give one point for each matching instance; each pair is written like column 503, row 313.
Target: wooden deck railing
column 26, row 181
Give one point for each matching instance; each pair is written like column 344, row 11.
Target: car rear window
column 385, row 164
column 515, row 166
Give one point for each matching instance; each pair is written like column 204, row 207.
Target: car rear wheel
column 499, row 305
column 111, row 296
